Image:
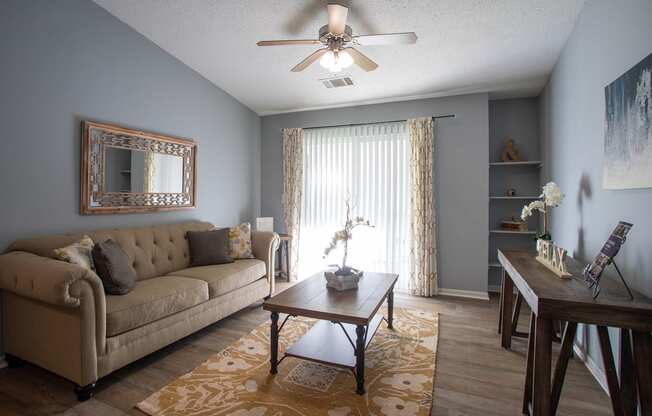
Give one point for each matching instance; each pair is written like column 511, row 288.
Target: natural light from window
column 369, row 164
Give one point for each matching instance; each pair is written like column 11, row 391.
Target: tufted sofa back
column 153, row 251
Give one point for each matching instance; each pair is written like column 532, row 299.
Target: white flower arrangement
column 529, row 209
column 550, row 197
column 343, row 236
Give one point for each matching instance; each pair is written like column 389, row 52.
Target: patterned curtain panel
column 292, row 191
column 423, row 259
column 370, row 164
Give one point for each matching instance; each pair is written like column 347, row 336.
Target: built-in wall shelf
column 498, row 231
column 517, row 120
column 536, row 163
column 528, row 198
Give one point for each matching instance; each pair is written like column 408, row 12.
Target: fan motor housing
column 325, row 36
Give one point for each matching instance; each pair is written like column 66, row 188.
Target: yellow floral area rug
column 399, row 376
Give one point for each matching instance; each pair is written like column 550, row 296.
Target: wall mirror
column 127, row 171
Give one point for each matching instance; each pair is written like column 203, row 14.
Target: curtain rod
column 374, row 122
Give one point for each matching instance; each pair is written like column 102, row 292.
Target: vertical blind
column 370, row 165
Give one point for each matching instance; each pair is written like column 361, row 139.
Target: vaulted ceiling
column 504, row 47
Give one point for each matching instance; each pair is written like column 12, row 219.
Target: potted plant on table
column 549, row 198
column 345, row 277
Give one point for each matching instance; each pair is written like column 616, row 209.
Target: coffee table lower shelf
column 326, row 343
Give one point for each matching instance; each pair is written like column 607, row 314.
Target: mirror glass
column 138, row 171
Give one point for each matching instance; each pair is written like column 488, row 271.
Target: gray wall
column 461, row 180
column 69, row 60
column 609, row 38
column 517, row 119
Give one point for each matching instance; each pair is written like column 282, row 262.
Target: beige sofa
column 57, row 316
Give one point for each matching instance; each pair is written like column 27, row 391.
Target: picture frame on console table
column 593, row 272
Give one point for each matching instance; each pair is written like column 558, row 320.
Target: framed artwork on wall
column 628, row 129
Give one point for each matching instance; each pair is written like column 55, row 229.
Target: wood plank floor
column 474, row 375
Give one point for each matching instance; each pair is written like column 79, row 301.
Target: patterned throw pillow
column 78, row 253
column 240, row 237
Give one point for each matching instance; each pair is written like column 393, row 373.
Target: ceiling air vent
column 336, row 82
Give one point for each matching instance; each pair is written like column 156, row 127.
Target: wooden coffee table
column 343, row 317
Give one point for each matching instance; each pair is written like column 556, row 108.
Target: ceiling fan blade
column 386, row 39
column 337, row 18
column 361, row 60
column 288, row 42
column 309, row 60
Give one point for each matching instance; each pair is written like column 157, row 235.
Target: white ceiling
column 504, row 47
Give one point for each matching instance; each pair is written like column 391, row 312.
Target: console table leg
column 542, row 364
column 359, row 358
column 273, row 338
column 642, row 343
column 527, row 388
column 627, row 373
column 500, row 305
column 610, row 371
column 506, row 312
column 517, row 312
column 390, row 309
column 562, row 363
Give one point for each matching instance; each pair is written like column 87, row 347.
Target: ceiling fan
column 337, row 37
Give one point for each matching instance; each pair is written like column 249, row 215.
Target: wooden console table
column 569, row 300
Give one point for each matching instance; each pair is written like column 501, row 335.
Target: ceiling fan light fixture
column 338, row 40
column 327, row 60
column 344, row 59
column 335, row 61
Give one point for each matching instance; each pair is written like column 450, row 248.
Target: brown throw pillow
column 113, row 267
column 209, row 247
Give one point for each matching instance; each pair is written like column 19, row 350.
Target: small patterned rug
column 399, row 373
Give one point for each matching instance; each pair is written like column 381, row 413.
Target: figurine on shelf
column 510, row 192
column 510, row 154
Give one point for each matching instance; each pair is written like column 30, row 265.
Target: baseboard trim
column 470, row 294
column 592, row 366
column 493, row 288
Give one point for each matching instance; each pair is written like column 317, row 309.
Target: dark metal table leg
column 273, row 338
column 390, row 309
column 359, row 358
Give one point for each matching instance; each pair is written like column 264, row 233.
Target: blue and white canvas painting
column 628, row 129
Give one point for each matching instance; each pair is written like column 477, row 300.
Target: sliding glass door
column 370, row 165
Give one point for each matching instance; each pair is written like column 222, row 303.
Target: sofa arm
column 46, row 280
column 264, row 245
column 55, row 285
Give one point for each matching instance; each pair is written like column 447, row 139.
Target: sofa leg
column 85, row 392
column 13, row 361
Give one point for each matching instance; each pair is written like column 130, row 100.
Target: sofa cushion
column 224, row 278
column 152, row 299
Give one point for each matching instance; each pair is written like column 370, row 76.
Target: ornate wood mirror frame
column 165, row 167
